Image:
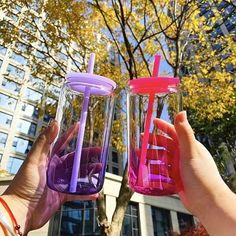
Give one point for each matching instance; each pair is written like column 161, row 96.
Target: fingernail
column 182, row 116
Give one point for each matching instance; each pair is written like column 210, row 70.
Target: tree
column 54, row 42
column 204, row 59
column 132, row 28
column 188, row 43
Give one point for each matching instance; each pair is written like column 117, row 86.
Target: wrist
column 220, row 204
column 19, row 210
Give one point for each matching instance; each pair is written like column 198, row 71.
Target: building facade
column 145, row 215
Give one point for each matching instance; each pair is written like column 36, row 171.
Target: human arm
column 204, row 192
column 28, row 196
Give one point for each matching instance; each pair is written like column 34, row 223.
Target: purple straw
column 80, row 137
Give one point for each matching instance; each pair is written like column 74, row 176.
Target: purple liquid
column 90, row 175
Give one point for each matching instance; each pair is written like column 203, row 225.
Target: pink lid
column 154, row 85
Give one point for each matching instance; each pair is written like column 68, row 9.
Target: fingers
column 88, row 154
column 154, row 154
column 65, row 139
column 91, row 151
column 94, row 168
column 43, row 142
column 162, row 141
column 184, row 131
column 166, row 127
column 166, row 136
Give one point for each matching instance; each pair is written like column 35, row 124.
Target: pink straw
column 80, row 137
column 148, row 122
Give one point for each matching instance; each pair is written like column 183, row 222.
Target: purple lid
column 97, row 84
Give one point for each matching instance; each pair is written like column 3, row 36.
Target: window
column 11, row 86
column 36, row 82
column 42, row 47
column 114, row 157
column 53, row 90
column 229, row 10
column 115, row 116
column 21, row 47
column 26, row 127
column 30, row 110
column 32, row 95
column 15, row 72
column 185, row 222
column 62, row 57
column 0, row 157
column 18, row 58
column 7, row 102
column 78, row 218
column 130, row 225
column 28, row 26
column 17, row 7
column 25, row 36
column 35, row 5
column 12, row 16
column 14, row 164
column 115, row 170
column 161, row 222
column 5, row 120
column 75, row 65
column 0, row 63
column 45, row 36
column 3, row 139
column 50, row 109
column 222, row 5
column 230, row 23
column 40, row 55
column 21, row 145
column 57, row 78
column 3, row 50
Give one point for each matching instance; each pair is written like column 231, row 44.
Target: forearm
column 219, row 216
column 19, row 210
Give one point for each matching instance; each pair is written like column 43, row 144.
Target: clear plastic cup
column 78, row 158
column 153, row 153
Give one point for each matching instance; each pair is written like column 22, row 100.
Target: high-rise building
column 227, row 23
column 27, row 103
column 224, row 27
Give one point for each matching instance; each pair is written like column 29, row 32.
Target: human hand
column 204, row 192
column 162, row 159
column 200, row 176
column 28, row 196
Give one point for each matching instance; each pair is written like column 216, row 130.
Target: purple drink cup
column 78, row 157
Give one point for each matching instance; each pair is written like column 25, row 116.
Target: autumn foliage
column 198, row 230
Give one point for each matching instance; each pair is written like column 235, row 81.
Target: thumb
column 184, row 131
column 44, row 140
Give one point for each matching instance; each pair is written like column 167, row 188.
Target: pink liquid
column 157, row 179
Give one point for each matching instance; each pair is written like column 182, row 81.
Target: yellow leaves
column 4, row 173
column 204, row 71
column 117, row 135
column 210, row 97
